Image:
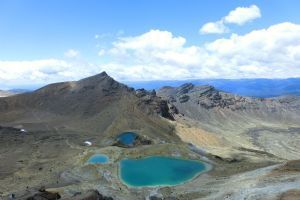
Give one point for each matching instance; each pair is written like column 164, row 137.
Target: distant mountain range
column 18, row 91
column 6, row 93
column 245, row 87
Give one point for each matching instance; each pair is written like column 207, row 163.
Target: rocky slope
column 256, row 123
column 207, row 97
column 80, row 104
column 88, row 96
column 60, row 117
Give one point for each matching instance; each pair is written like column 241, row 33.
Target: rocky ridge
column 209, row 97
column 87, row 97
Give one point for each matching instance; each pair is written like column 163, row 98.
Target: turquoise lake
column 98, row 159
column 159, row 171
column 127, row 138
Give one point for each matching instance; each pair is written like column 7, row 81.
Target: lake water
column 98, row 159
column 159, row 171
column 127, row 138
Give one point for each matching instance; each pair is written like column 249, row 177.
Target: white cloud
column 214, row 27
column 239, row 16
column 154, row 39
column 273, row 52
column 72, row 53
column 267, row 53
column 43, row 71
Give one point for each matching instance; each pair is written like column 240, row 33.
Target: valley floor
column 57, row 159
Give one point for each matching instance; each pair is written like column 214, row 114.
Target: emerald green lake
column 159, row 171
column 127, row 138
column 98, row 159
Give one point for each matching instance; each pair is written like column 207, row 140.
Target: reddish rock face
column 290, row 195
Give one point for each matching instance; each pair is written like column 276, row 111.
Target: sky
column 139, row 40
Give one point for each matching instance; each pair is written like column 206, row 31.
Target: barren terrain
column 252, row 144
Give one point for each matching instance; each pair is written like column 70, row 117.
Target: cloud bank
column 32, row 72
column 267, row 53
column 273, row 52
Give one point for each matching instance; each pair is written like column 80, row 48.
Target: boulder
column 45, row 195
column 91, row 195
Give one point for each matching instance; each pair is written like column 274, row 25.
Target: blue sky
column 54, row 40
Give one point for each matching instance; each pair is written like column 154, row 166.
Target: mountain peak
column 103, row 73
column 102, row 79
column 99, row 76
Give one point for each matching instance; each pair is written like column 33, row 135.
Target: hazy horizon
column 260, row 87
column 138, row 82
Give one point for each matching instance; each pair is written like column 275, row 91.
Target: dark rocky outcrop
column 173, row 109
column 90, row 195
column 44, row 195
column 138, row 141
column 9, row 129
column 142, row 92
column 151, row 103
column 228, row 160
column 184, row 89
column 184, row 98
column 205, row 96
column 209, row 97
column 162, row 198
column 155, row 198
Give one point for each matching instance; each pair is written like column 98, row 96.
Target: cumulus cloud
column 43, row 71
column 72, row 53
column 214, row 27
column 239, row 16
column 273, row 52
column 154, row 39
